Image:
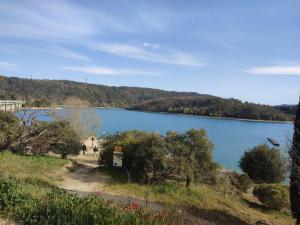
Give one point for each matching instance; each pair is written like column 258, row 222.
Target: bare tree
column 83, row 119
column 295, row 169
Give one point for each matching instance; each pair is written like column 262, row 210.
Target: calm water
column 231, row 137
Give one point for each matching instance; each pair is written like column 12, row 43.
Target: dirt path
column 81, row 176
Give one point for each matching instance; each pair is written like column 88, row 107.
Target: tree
column 192, row 155
column 295, row 169
column 63, row 139
column 264, row 164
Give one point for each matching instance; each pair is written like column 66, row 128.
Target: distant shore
column 215, row 117
column 181, row 114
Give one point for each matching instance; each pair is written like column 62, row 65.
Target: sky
column 230, row 48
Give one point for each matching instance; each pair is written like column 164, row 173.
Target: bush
column 264, row 164
column 274, row 196
column 63, row 139
column 241, row 181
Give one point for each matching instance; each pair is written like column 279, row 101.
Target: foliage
column 240, row 181
column 264, row 164
column 9, row 129
column 42, row 92
column 191, row 155
column 58, row 91
column 150, row 157
column 143, row 155
column 63, row 139
column 274, row 196
column 55, row 206
column 214, row 106
column 39, row 103
column 295, row 169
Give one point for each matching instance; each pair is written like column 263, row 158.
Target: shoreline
column 180, row 114
column 219, row 118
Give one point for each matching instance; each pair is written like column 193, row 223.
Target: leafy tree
column 192, row 155
column 264, row 164
column 63, row 139
column 295, row 169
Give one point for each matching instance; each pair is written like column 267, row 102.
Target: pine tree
column 295, row 169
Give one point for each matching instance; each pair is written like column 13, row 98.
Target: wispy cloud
column 137, row 52
column 151, row 45
column 96, row 70
column 7, row 66
column 275, row 70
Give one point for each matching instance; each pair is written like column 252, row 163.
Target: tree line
column 44, row 93
column 215, row 107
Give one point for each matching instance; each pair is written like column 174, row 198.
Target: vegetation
column 57, row 92
column 43, row 93
column 264, row 164
column 9, row 129
column 274, row 196
column 63, row 139
column 37, row 174
column 149, row 157
column 295, row 169
column 214, row 106
column 27, row 135
column 20, row 201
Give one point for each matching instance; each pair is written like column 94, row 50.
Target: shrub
column 241, row 181
column 264, row 164
column 63, row 139
column 274, row 196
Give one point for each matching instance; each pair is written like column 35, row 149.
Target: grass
column 205, row 201
column 41, row 167
column 40, row 173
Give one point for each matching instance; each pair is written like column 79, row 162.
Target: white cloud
column 135, row 52
column 7, row 66
column 96, row 70
column 151, row 45
column 275, row 70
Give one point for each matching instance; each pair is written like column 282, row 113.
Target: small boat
column 273, row 141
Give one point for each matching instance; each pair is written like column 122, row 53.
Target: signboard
column 118, row 148
column 117, row 159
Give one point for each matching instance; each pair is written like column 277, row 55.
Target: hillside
column 46, row 92
column 214, row 106
column 56, row 91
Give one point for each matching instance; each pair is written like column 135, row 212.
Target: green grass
column 41, row 167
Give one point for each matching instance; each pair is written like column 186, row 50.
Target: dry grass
column 206, row 202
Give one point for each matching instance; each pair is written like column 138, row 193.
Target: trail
column 81, row 176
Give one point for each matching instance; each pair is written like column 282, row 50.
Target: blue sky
column 231, row 48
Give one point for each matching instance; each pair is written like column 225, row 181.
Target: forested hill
column 46, row 92
column 56, row 91
column 214, row 106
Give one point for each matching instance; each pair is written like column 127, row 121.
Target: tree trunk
column 188, row 181
column 295, row 169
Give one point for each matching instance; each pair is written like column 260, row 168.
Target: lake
column 230, row 137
